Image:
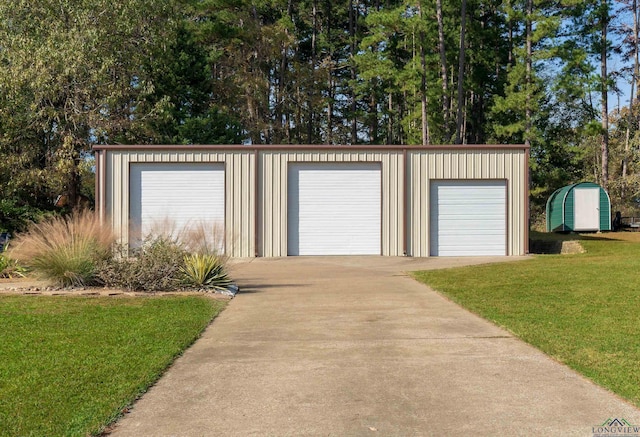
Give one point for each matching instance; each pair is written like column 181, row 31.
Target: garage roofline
column 254, row 147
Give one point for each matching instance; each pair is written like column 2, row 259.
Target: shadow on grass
column 600, row 237
column 565, row 243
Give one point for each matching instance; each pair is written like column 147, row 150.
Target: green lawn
column 583, row 310
column 69, row 365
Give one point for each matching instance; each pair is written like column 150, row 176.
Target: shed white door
column 334, row 209
column 586, row 212
column 175, row 197
column 468, row 218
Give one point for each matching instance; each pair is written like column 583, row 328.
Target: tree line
column 75, row 73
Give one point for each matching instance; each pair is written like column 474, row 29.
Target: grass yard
column 583, row 310
column 69, row 365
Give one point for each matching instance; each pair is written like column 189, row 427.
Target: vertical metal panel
column 605, row 210
column 239, row 208
column 115, row 181
column 426, row 165
column 101, row 186
column 268, row 186
column 124, row 195
column 240, row 214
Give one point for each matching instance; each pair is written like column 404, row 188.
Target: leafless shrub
column 155, row 266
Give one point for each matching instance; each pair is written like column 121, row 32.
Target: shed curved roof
column 562, row 192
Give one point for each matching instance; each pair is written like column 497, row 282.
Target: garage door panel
column 468, row 218
column 334, row 209
column 456, row 229
column 172, row 198
column 477, row 222
column 458, row 239
column 473, row 250
column 454, row 246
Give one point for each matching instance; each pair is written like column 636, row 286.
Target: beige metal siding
column 239, row 191
column 273, row 194
column 257, row 178
column 426, row 165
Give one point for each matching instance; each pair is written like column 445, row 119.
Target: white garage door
column 174, row 197
column 468, row 218
column 334, row 209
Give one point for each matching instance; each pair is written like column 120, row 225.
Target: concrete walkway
column 350, row 346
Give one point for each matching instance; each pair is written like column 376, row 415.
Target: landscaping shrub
column 65, row 250
column 155, row 266
column 77, row 250
column 204, row 271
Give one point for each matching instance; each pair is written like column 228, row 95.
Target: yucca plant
column 9, row 268
column 65, row 250
column 205, row 271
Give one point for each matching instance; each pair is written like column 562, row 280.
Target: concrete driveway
column 351, row 346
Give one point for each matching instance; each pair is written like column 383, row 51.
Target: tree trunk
column 630, row 113
column 282, row 113
column 510, row 59
column 373, row 122
column 390, row 120
column 330, row 81
column 352, row 50
column 312, row 93
column 423, row 86
column 443, row 70
column 528, row 78
column 461, row 66
column 604, row 145
column 280, row 99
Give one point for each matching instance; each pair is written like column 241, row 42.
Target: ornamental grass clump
column 205, row 271
column 65, row 251
column 202, row 238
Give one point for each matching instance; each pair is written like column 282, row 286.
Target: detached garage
column 277, row 201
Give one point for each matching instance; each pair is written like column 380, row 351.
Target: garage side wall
column 273, row 169
column 474, row 164
column 240, row 171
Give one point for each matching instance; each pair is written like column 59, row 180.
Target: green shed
column 579, row 207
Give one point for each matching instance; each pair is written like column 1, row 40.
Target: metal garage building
column 324, row 200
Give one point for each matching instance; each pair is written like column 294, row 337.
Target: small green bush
column 65, row 250
column 204, row 271
column 155, row 266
